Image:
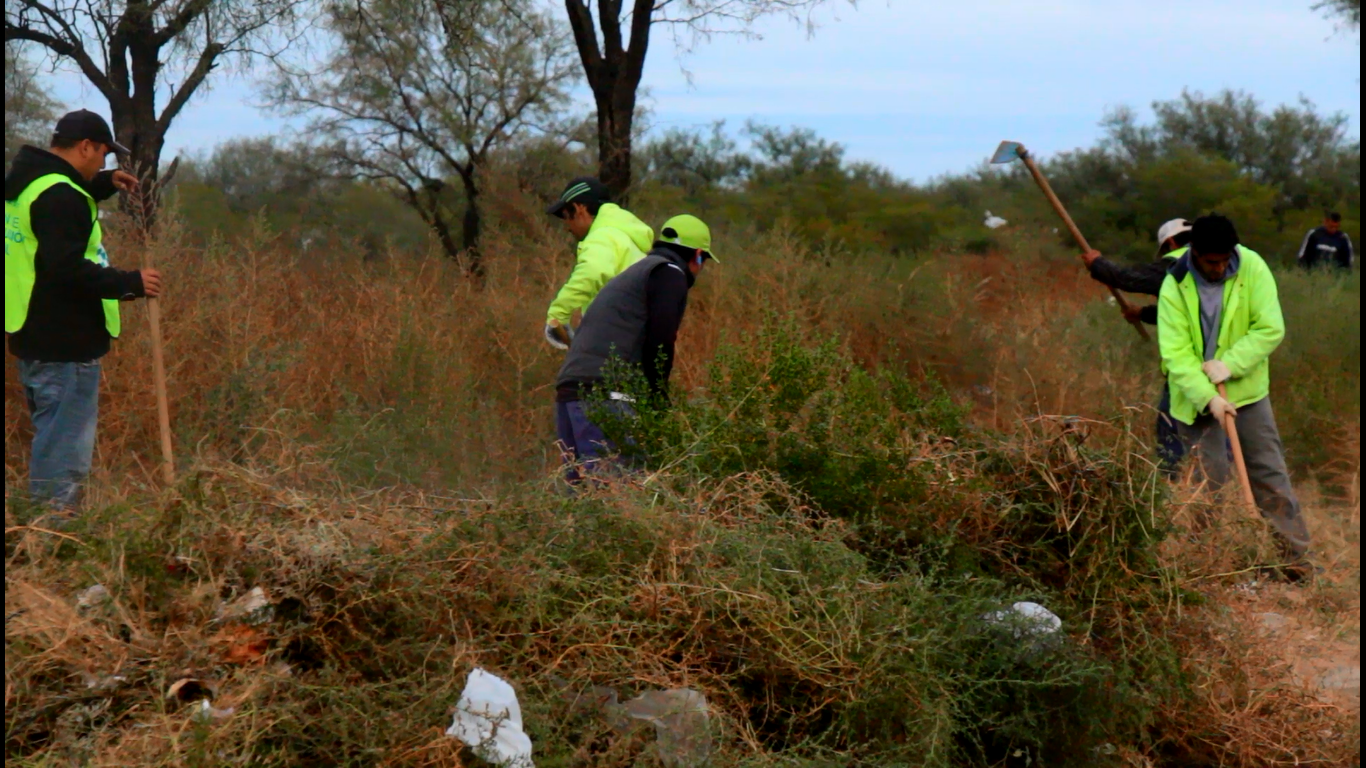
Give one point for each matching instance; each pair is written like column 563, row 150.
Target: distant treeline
column 1274, row 171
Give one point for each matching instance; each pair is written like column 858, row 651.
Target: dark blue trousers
column 585, row 449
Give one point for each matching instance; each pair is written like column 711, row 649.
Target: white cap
column 1172, row 229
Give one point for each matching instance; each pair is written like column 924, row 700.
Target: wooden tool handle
column 1231, row 429
column 163, row 406
column 158, row 356
column 1076, row 234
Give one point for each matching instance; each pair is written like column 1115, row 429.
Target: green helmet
column 689, row 232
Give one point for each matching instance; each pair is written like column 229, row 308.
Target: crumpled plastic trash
column 1026, row 620
column 594, row 699
column 102, row 683
column 489, row 719
column 252, row 608
column 682, row 724
column 1033, row 628
column 208, row 713
column 994, row 222
column 92, row 597
column 680, row 717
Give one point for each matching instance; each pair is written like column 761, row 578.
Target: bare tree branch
column 614, row 70
column 144, row 47
column 419, row 93
column 207, row 61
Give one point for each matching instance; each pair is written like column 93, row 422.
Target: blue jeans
column 64, row 402
column 583, row 444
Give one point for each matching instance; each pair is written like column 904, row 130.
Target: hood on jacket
column 613, row 216
column 1183, row 266
column 32, row 163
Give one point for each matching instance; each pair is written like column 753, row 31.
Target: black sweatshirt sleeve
column 61, row 223
column 1148, row 314
column 1146, row 278
column 102, row 186
column 666, row 298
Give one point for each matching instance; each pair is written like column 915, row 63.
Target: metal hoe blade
column 1008, row 152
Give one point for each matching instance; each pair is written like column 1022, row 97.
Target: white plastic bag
column 1032, row 629
column 681, row 721
column 1027, row 620
column 489, row 719
column 254, row 607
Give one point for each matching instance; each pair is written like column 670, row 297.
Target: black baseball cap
column 584, row 189
column 84, row 124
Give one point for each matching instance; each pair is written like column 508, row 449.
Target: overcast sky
column 926, row 88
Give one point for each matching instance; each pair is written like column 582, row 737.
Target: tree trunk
column 137, row 129
column 443, row 234
column 615, row 114
column 136, row 126
column 474, row 262
column 613, row 71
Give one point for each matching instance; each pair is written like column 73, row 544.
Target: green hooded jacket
column 616, row 240
column 1250, row 329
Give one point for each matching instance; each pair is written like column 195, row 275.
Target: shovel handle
column 163, row 404
column 1231, row 429
column 1076, row 233
column 158, row 353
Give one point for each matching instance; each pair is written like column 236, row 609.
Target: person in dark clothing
column 1173, row 238
column 634, row 319
column 1327, row 245
column 1145, row 279
column 61, row 295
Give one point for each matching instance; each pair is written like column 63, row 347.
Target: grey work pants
column 1265, row 459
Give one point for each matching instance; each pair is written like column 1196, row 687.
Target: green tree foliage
column 693, row 162
column 613, row 47
column 418, row 96
column 1274, row 171
column 245, row 182
column 795, row 177
column 1347, row 11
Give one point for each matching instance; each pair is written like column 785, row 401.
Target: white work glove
column 1221, row 409
column 1217, row 371
column 558, row 336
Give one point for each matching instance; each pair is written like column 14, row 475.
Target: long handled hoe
column 158, row 358
column 1009, row 151
column 1231, row 429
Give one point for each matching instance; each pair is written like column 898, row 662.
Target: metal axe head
column 1008, row 152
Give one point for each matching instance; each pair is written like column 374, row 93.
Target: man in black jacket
column 1327, row 245
column 635, row 320
column 61, row 295
column 1146, row 279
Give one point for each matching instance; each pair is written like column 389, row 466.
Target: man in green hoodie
column 1219, row 319
column 610, row 240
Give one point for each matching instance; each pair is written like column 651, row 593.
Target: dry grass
column 371, row 444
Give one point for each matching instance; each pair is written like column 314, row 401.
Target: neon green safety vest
column 21, row 247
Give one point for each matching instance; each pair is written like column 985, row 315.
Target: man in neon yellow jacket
column 62, row 298
column 1219, row 319
column 610, row 240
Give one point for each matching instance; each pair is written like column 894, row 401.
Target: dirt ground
column 1318, row 627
